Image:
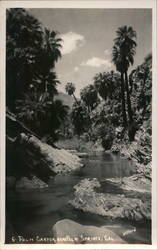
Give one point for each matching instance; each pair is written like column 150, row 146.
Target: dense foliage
column 80, row 118
column 31, row 82
column 104, row 122
column 118, row 104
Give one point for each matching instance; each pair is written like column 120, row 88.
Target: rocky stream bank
column 31, row 162
column 132, row 197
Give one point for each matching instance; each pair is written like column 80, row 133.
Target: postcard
column 78, row 128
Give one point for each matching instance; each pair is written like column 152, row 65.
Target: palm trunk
column 131, row 127
column 128, row 98
column 123, row 101
column 46, row 87
column 75, row 99
column 90, row 123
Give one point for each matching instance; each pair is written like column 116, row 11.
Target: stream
column 33, row 213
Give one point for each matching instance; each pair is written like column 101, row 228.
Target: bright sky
column 88, row 39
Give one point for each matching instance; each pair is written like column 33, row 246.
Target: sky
column 88, row 36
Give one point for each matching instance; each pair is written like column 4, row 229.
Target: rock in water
column 115, row 206
column 68, row 231
column 135, row 183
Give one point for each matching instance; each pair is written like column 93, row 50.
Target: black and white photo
column 78, row 133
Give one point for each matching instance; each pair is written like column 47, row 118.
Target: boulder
column 28, row 156
column 58, row 160
column 135, row 183
column 68, row 231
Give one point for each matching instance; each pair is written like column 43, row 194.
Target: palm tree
column 48, row 55
column 80, row 117
column 126, row 47
column 70, row 89
column 60, row 111
column 106, row 84
column 23, row 41
column 89, row 96
column 52, row 46
column 51, row 80
column 117, row 60
column 100, row 84
column 40, row 113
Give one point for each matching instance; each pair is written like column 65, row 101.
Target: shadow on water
column 33, row 213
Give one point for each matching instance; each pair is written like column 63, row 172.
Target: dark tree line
column 31, row 81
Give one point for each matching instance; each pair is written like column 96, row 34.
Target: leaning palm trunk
column 75, row 99
column 123, row 101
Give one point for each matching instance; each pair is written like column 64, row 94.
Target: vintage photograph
column 78, row 126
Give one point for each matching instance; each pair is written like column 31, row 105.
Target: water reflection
column 105, row 165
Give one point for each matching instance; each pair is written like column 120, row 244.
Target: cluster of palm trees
column 105, row 83
column 31, row 81
column 32, row 52
column 123, row 53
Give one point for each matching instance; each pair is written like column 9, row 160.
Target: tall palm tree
column 117, row 60
column 52, row 45
column 70, row 89
column 125, row 41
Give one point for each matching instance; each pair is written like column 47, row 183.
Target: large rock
column 135, row 183
column 28, row 156
column 59, row 160
column 115, row 206
column 68, row 231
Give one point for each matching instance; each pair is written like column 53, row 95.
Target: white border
column 77, row 4
column 154, row 128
